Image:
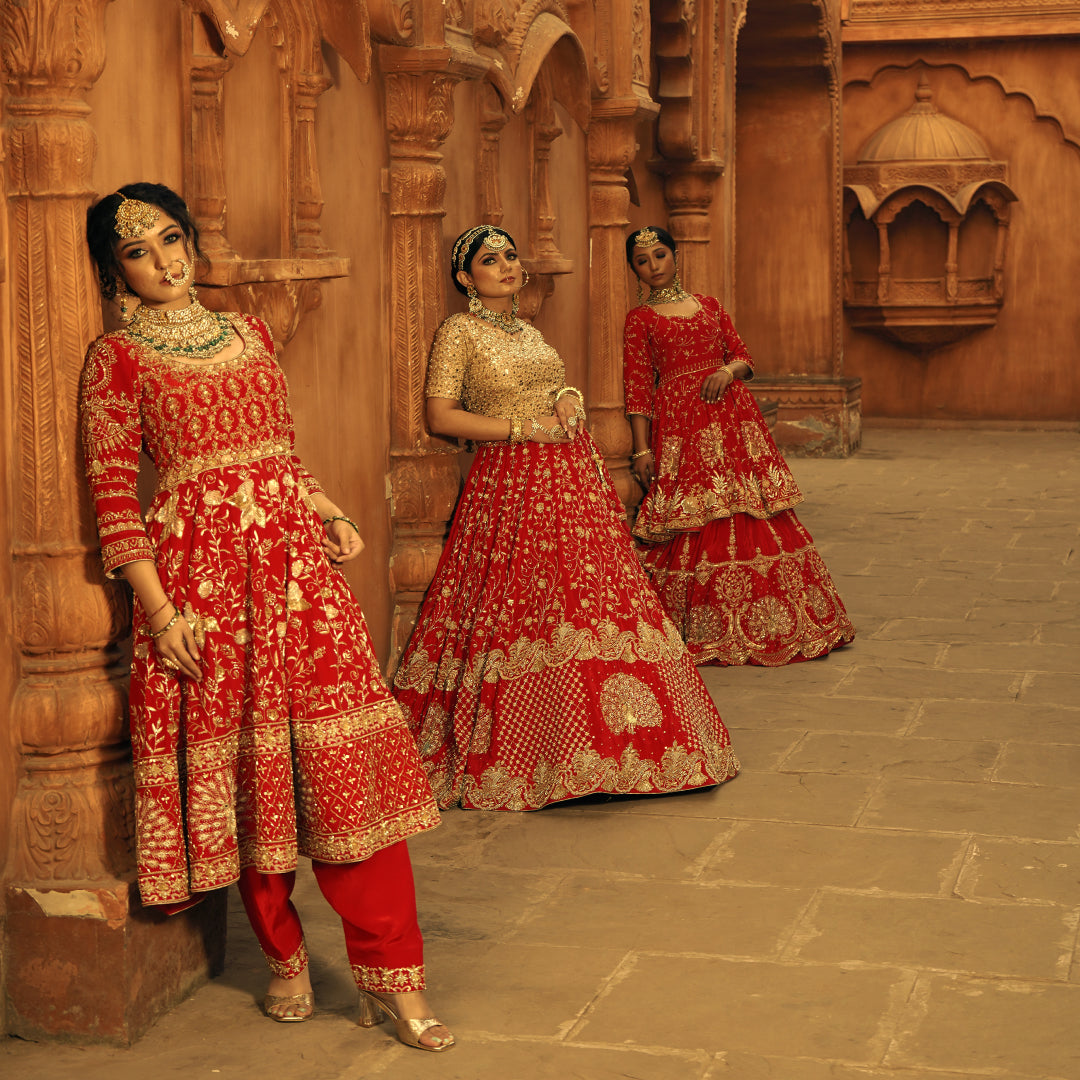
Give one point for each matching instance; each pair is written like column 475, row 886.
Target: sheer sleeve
column 112, row 438
column 734, row 349
column 639, row 374
column 448, row 360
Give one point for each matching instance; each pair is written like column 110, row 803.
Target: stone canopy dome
column 923, row 134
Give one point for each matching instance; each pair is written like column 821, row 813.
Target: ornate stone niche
column 217, row 35
column 926, row 215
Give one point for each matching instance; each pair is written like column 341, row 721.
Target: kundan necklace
column 191, row 331
column 510, row 323
column 671, row 295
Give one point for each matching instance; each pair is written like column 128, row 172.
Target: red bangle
column 157, row 611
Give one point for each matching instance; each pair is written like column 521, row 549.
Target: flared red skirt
column 542, row 666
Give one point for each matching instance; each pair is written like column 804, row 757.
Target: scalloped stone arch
column 1069, row 137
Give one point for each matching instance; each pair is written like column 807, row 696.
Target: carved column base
column 86, row 963
column 817, row 416
column 425, row 486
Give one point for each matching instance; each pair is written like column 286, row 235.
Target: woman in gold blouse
column 542, row 666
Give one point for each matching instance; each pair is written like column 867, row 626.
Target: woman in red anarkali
column 542, row 667
column 261, row 728
column 736, row 571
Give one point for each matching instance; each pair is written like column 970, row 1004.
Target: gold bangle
column 169, row 625
column 570, row 390
column 341, row 517
column 640, row 453
column 515, row 431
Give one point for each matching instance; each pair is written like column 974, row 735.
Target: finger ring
column 172, row 665
column 572, row 422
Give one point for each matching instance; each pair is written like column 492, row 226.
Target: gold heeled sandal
column 275, row 1001
column 373, row 1009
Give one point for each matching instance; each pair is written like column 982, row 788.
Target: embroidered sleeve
column 311, row 485
column 734, row 349
column 639, row 372
column 112, row 436
column 448, row 360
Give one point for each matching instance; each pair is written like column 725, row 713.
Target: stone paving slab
column 889, row 891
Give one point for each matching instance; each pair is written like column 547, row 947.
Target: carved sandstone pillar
column 424, row 475
column 81, row 960
column 689, row 188
column 612, row 146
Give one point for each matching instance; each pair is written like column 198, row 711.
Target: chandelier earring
column 476, row 305
column 123, row 296
column 193, row 295
column 640, row 291
column 514, row 307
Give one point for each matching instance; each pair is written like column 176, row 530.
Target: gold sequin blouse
column 493, row 373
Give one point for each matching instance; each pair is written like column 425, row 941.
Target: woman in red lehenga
column 261, row 728
column 736, row 571
column 541, row 667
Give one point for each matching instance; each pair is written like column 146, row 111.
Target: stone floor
column 891, row 889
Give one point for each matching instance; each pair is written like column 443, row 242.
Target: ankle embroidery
column 382, row 980
column 289, row 969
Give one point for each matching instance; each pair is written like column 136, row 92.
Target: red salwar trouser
column 376, row 900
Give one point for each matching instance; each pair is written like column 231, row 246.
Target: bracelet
column 169, row 625
column 515, row 431
column 730, row 372
column 341, row 517
column 532, row 430
column 640, row 453
column 570, row 390
column 158, row 610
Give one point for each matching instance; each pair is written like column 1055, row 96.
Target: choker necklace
column 192, row 331
column 510, row 323
column 671, row 295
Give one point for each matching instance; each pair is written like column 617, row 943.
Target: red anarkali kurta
column 292, row 743
column 542, row 666
column 736, row 571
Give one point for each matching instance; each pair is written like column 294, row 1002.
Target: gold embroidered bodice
column 493, row 373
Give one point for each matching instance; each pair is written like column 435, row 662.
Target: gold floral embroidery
column 291, row 967
column 627, row 703
column 389, row 980
column 588, row 772
column 251, row 513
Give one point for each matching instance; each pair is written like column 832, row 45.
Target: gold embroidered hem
column 744, row 591
column 389, row 980
column 542, row 667
column 290, row 968
column 588, row 774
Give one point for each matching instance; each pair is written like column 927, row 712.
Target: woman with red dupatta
column 736, row 571
column 261, row 727
column 542, row 667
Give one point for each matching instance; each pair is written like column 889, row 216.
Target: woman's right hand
column 642, row 468
column 547, row 429
column 176, row 649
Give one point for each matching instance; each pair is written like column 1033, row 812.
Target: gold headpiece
column 646, row 237
column 495, row 239
column 134, row 217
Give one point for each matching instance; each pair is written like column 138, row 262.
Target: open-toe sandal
column 373, row 1009
column 302, row 1007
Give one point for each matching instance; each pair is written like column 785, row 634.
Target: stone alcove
column 926, row 216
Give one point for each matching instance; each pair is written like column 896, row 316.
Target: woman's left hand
column 342, row 542
column 570, row 413
column 712, row 389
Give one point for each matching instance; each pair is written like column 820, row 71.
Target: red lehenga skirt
column 746, row 590
column 542, row 666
